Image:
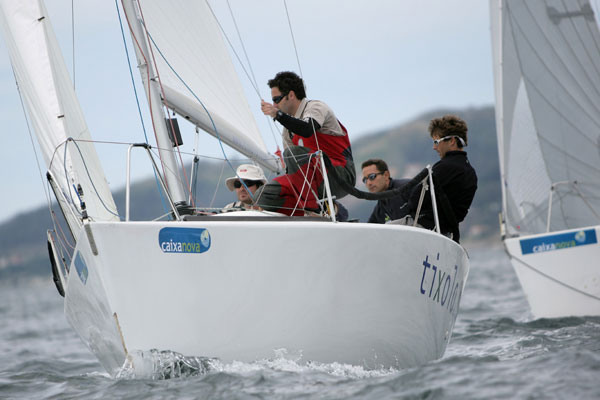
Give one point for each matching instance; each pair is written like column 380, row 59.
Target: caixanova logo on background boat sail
column 184, row 240
column 558, row 242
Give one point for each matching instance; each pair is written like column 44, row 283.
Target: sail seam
column 592, row 118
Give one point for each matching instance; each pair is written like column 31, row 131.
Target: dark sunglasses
column 277, row 99
column 238, row 184
column 372, row 176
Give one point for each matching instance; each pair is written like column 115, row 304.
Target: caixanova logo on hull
column 557, row 242
column 183, row 240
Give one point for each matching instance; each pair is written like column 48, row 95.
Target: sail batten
column 547, row 78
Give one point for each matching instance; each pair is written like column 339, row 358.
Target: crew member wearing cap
column 252, row 177
column 453, row 176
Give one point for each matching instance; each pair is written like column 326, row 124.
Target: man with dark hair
column 453, row 177
column 376, row 177
column 309, row 126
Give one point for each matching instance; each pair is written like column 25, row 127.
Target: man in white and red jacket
column 309, row 126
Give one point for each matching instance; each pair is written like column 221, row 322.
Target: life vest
column 337, row 148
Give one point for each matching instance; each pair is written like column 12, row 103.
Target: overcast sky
column 377, row 63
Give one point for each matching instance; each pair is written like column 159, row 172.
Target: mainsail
column 198, row 78
column 54, row 111
column 547, row 78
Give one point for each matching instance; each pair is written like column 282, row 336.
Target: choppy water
column 497, row 351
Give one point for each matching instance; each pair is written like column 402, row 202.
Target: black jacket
column 389, row 209
column 455, row 178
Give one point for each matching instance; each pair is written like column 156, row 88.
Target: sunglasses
column 238, row 184
column 437, row 142
column 372, row 176
column 461, row 140
column 277, row 99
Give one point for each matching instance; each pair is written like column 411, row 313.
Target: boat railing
column 327, row 187
column 427, row 182
column 575, row 186
column 147, row 147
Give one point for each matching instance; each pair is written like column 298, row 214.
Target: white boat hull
column 389, row 297
column 559, row 271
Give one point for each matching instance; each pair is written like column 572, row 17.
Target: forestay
column 547, row 77
column 198, row 77
column 53, row 109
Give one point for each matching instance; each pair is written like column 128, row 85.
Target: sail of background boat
column 547, row 78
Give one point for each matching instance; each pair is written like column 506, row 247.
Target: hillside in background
column 406, row 148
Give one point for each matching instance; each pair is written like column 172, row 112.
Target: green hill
column 406, row 148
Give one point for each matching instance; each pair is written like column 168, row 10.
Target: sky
column 376, row 63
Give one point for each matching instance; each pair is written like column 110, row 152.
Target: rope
column 552, row 278
column 90, row 178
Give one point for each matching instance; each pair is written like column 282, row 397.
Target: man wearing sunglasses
column 309, row 126
column 453, row 175
column 248, row 177
column 376, row 177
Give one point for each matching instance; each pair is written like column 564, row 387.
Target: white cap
column 249, row 172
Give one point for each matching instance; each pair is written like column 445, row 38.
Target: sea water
column 497, row 351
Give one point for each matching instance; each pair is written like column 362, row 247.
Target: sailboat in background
column 546, row 58
column 235, row 286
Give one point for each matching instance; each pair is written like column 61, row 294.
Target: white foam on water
column 157, row 365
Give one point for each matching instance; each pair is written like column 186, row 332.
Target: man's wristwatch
column 277, row 115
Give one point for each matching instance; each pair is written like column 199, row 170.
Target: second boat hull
column 559, row 272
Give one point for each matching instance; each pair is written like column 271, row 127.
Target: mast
column 496, row 10
column 153, row 93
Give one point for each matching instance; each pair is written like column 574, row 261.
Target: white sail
column 547, row 78
column 54, row 111
column 198, row 78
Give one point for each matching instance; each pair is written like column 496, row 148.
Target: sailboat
column 546, row 58
column 235, row 286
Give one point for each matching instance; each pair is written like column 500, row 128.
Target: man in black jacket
column 376, row 177
column 453, row 176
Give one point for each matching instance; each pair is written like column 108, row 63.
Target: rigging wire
column 242, row 43
column 57, row 227
column 136, row 43
column 218, row 183
column 270, row 122
column 203, row 106
column 143, row 21
column 293, row 39
column 301, row 74
column 233, row 49
column 89, row 176
column 560, row 283
column 137, row 100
